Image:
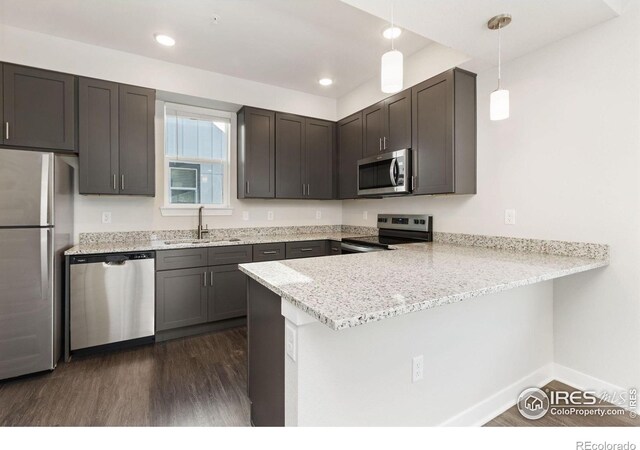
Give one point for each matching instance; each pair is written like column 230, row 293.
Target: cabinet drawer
column 181, row 259
column 334, row 248
column 305, row 249
column 269, row 252
column 181, row 298
column 233, row 254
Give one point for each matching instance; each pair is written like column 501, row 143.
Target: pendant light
column 499, row 101
column 391, row 76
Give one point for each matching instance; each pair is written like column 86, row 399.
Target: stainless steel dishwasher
column 112, row 299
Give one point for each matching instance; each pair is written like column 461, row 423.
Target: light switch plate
column 245, row 215
column 417, row 368
column 365, row 215
column 318, row 215
column 291, row 341
column 106, row 217
column 510, row 216
column 269, row 215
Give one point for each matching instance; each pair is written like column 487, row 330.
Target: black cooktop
column 380, row 241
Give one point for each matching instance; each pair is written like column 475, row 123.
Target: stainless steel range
column 393, row 229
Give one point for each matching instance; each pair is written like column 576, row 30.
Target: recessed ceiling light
column 165, row 40
column 325, row 81
column 392, row 32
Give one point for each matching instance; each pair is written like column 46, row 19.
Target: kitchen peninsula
column 347, row 351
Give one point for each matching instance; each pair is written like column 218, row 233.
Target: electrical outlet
column 106, row 217
column 417, row 372
column 269, row 215
column 365, row 215
column 510, row 216
column 245, row 215
column 318, row 215
column 291, row 340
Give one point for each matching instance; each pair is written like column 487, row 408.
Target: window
column 197, row 148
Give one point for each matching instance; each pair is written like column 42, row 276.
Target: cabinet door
column 374, row 128
column 39, row 108
column 432, row 104
column 136, row 140
column 290, row 145
column 98, row 136
column 256, row 153
column 305, row 249
column 181, row 298
column 349, row 152
column 2, row 122
column 228, row 292
column 319, row 150
column 397, row 134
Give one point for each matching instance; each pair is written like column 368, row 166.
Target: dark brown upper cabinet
column 116, row 138
column 444, row 134
column 304, row 157
column 256, row 153
column 290, row 156
column 320, row 159
column 387, row 124
column 98, row 137
column 350, row 132
column 39, row 108
column 136, row 140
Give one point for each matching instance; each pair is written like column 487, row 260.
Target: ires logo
column 575, row 398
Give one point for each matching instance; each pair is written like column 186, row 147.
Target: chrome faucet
column 201, row 231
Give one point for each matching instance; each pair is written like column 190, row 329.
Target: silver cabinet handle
column 115, row 185
column 6, row 130
column 306, row 249
column 211, row 278
column 413, row 182
column 380, row 144
column 269, row 252
column 308, row 190
column 122, row 182
column 204, row 279
column 248, row 188
column 303, row 189
column 384, row 143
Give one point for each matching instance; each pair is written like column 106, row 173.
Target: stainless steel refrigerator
column 36, row 226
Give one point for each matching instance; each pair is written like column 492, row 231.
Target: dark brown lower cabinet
column 227, row 293
column 181, row 298
column 265, row 332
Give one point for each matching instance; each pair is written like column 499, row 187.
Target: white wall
column 473, row 369
column 138, row 213
column 567, row 160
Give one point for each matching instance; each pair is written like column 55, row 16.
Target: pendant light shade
column 499, row 100
column 499, row 108
column 391, row 75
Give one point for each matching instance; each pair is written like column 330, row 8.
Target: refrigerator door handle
column 46, row 190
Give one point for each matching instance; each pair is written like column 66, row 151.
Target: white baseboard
column 496, row 404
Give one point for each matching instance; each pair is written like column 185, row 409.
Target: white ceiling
column 288, row 43
column 462, row 24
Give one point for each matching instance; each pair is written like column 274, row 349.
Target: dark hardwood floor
column 197, row 381
column 513, row 418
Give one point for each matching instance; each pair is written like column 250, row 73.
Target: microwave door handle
column 393, row 168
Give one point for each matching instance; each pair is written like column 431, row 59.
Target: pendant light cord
column 499, row 54
column 392, row 30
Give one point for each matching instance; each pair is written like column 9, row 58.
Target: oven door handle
column 359, row 248
column 393, row 172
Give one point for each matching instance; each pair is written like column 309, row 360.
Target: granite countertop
column 172, row 244
column 350, row 290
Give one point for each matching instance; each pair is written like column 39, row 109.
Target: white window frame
column 176, row 209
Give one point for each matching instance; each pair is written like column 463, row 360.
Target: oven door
column 386, row 173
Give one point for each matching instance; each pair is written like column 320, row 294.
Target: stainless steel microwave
column 385, row 174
